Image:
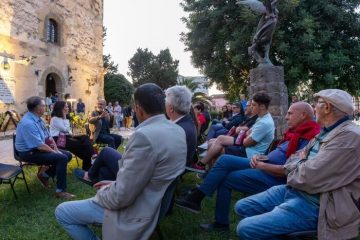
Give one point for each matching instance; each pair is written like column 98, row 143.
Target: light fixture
column 5, row 64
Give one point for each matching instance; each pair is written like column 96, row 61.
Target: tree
column 145, row 67
column 189, row 83
column 118, row 88
column 317, row 42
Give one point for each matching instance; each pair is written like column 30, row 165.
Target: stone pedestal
column 271, row 80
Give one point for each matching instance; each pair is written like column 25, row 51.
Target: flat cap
column 338, row 98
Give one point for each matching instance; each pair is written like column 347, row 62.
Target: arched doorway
column 52, row 84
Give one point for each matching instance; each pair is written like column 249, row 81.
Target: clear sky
column 155, row 25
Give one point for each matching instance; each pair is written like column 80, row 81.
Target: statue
column 261, row 42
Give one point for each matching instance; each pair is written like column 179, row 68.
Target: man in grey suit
column 128, row 208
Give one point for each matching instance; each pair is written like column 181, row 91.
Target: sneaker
column 44, row 181
column 203, row 154
column 203, row 146
column 196, row 168
column 215, row 227
column 190, row 202
column 64, row 195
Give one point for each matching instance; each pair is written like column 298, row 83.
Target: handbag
column 240, row 138
column 50, row 142
column 61, row 140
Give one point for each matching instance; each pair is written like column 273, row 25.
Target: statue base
column 270, row 79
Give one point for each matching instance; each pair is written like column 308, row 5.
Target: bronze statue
column 262, row 39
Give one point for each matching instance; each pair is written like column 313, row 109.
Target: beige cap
column 339, row 98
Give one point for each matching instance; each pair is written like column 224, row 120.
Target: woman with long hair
column 79, row 145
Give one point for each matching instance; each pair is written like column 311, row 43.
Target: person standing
column 80, row 107
column 118, row 115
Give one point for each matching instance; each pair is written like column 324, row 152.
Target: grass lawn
column 32, row 215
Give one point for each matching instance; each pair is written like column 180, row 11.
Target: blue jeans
column 112, row 140
column 231, row 172
column 74, row 216
column 278, row 211
column 57, row 162
column 105, row 166
column 216, row 130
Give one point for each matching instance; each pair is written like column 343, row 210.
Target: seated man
column 223, row 128
column 177, row 106
column 261, row 134
column 31, row 141
column 100, row 126
column 323, row 182
column 216, row 146
column 154, row 157
column 251, row 175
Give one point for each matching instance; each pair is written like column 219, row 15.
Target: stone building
column 49, row 46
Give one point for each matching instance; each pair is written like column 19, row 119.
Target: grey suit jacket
column 154, row 157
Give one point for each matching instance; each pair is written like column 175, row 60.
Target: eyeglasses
column 319, row 102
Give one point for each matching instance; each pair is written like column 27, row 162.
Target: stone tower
column 49, row 46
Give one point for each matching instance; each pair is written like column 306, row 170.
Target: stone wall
column 271, row 80
column 76, row 59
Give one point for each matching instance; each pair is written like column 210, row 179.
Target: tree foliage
column 118, row 88
column 145, row 67
column 189, row 83
column 317, row 42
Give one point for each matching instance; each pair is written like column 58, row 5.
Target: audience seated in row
column 154, row 157
column 100, row 126
column 177, row 106
column 250, row 175
column 323, row 182
column 79, row 145
column 223, row 127
column 216, row 145
column 35, row 145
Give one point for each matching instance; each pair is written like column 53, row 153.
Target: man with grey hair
column 177, row 106
column 323, row 182
column 35, row 145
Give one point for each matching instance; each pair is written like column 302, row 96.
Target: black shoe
column 191, row 202
column 214, row 227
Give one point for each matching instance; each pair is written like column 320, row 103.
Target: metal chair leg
column 12, row 188
column 160, row 234
column 27, row 187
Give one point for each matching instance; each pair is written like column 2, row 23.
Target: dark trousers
column 236, row 151
column 81, row 147
column 215, row 131
column 57, row 162
column 106, row 165
column 112, row 140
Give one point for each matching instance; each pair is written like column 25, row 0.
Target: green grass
column 32, row 215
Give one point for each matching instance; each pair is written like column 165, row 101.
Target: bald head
column 304, row 108
column 299, row 113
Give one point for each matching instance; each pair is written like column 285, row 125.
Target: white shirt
column 58, row 125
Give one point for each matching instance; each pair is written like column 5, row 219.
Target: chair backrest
column 167, row 198
column 16, row 153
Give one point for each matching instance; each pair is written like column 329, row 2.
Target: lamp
column 5, row 64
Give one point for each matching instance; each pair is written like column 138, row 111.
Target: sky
column 156, row 25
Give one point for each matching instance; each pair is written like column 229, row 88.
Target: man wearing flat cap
column 323, row 182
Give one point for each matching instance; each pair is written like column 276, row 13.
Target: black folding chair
column 9, row 174
column 166, row 201
column 304, row 235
